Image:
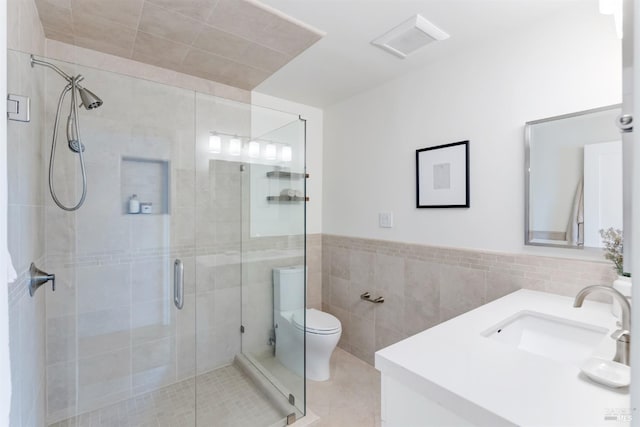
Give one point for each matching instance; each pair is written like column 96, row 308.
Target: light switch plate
column 385, row 219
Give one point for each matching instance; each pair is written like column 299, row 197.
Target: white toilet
column 322, row 329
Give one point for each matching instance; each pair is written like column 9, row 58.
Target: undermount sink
column 552, row 337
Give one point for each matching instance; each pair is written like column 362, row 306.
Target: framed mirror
column 573, row 178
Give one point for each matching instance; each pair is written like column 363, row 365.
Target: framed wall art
column 442, row 176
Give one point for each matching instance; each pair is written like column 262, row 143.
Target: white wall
column 314, row 118
column 568, row 62
column 281, row 129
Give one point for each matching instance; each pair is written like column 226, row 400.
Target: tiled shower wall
column 424, row 285
column 26, row 216
column 92, row 58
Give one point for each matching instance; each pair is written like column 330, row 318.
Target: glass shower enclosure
column 164, row 309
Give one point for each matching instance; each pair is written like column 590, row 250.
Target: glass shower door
column 234, row 142
column 119, row 351
column 273, row 254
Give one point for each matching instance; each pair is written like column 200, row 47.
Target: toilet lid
column 318, row 322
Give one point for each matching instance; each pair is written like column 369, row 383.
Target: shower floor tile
column 226, row 397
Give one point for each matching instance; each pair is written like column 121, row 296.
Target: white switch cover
column 385, row 219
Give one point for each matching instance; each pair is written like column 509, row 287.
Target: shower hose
column 72, row 126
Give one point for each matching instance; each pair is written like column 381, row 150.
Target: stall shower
column 112, row 344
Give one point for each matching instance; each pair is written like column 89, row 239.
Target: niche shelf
column 148, row 179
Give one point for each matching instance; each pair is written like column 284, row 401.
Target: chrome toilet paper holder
column 367, row 297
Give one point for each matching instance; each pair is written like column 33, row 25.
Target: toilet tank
column 288, row 288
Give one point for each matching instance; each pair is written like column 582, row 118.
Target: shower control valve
column 38, row 278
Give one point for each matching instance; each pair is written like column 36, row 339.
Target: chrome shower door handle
column 178, row 284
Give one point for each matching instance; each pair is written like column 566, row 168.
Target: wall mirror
column 573, row 178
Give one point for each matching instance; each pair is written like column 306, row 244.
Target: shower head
column 89, row 99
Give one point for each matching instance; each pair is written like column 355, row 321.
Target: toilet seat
column 318, row 322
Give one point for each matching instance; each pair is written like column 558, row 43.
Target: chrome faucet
column 622, row 336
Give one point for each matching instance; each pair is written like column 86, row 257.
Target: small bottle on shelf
column 134, row 204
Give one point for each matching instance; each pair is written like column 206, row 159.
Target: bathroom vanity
column 512, row 362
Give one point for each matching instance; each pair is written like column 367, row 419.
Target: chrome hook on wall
column 367, row 297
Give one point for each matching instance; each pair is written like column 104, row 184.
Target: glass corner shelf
column 286, row 175
column 283, row 199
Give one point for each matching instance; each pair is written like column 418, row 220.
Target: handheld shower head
column 89, row 99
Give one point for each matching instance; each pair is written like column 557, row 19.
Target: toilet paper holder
column 367, row 297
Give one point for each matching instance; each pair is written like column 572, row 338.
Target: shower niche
column 148, row 179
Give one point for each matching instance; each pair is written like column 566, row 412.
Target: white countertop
column 495, row 384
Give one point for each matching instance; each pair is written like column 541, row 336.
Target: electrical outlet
column 385, row 219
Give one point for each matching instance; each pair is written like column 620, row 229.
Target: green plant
column 612, row 239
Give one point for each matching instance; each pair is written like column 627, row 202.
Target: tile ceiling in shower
column 237, row 42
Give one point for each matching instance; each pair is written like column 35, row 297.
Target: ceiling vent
column 411, row 35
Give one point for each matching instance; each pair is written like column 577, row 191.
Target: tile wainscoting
column 314, row 271
column 425, row 285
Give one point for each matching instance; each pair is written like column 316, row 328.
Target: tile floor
column 226, row 397
column 351, row 398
